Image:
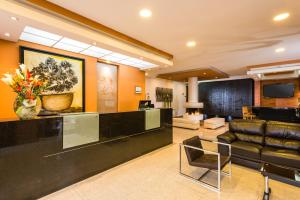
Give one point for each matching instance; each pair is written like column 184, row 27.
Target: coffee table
column 279, row 173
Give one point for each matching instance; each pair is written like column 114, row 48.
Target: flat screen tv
column 281, row 90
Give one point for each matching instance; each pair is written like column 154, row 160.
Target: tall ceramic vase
column 27, row 108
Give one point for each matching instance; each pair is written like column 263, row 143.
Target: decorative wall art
column 65, row 92
column 138, row 89
column 107, row 88
column 164, row 94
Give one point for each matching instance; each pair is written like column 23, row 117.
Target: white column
column 193, row 89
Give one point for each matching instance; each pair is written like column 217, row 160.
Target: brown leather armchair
column 199, row 157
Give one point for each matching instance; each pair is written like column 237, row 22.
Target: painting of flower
column 65, row 78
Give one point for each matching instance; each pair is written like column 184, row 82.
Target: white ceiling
column 230, row 34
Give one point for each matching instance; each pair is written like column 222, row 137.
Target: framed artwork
column 164, row 94
column 64, row 75
column 138, row 89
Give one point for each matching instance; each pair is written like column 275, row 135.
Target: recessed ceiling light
column 281, row 16
column 191, row 44
column 14, row 18
column 7, row 34
column 94, row 43
column 204, row 73
column 145, row 13
column 279, row 50
column 217, row 77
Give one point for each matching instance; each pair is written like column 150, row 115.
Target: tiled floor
column 155, row 177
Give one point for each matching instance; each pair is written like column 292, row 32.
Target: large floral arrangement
column 27, row 87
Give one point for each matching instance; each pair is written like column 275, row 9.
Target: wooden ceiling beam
column 274, row 64
column 58, row 10
column 202, row 74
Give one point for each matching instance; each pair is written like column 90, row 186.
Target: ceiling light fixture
column 204, row 73
column 279, row 50
column 191, row 44
column 14, row 18
column 281, row 16
column 7, row 34
column 145, row 13
column 38, row 36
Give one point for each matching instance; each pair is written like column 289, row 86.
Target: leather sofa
column 256, row 141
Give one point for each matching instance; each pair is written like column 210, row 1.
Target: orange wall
column 128, row 78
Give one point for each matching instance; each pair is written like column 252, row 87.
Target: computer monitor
column 144, row 104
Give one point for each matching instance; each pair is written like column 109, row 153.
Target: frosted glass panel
column 107, row 82
column 152, row 119
column 80, row 129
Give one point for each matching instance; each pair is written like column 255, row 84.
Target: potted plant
column 28, row 88
column 61, row 78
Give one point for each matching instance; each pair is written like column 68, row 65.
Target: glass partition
column 152, row 119
column 80, row 129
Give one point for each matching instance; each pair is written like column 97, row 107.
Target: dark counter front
column 33, row 162
column 277, row 114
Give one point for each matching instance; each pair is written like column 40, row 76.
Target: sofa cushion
column 258, row 139
column 246, row 150
column 248, row 130
column 227, row 137
column 283, row 130
column 283, row 135
column 282, row 143
column 285, row 157
column 253, row 127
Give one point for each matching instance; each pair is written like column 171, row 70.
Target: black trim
column 21, row 60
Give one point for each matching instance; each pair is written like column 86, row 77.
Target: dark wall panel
column 225, row 98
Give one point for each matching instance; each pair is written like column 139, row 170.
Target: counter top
column 59, row 116
column 36, row 118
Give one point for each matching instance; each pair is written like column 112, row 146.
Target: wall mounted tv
column 281, row 90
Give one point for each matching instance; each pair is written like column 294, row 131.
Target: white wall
column 179, row 93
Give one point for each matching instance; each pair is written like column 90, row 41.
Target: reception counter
column 40, row 156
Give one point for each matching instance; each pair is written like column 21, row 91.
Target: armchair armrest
column 227, row 137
